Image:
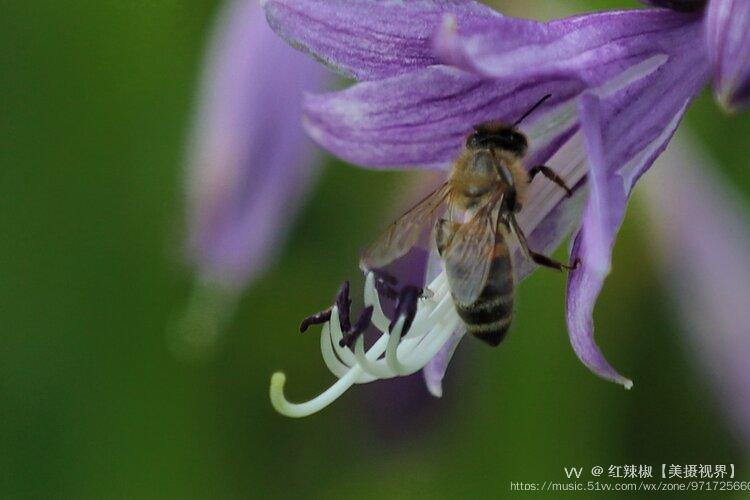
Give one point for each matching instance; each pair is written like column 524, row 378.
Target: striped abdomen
column 488, row 318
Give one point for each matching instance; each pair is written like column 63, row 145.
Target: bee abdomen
column 488, row 318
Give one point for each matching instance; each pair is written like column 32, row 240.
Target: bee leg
column 551, row 175
column 545, row 261
column 538, row 258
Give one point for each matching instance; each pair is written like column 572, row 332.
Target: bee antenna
column 532, row 109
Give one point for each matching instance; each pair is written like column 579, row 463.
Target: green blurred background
column 97, row 98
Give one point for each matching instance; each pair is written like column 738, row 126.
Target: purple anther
column 343, row 304
column 359, row 327
column 315, row 319
column 406, row 307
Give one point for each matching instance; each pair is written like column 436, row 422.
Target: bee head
column 499, row 136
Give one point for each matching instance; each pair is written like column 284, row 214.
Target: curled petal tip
column 435, row 389
column 583, row 289
column 435, row 370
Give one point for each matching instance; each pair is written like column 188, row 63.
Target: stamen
column 345, row 355
column 422, row 320
column 373, row 368
column 332, row 362
column 280, row 403
column 296, row 410
column 359, row 327
column 391, row 352
column 344, row 305
column 379, row 318
column 407, row 306
column 429, row 347
column 315, row 319
column 342, row 302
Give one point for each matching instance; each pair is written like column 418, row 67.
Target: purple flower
column 250, row 163
column 620, row 84
column 703, row 239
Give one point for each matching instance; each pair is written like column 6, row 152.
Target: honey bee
column 488, row 184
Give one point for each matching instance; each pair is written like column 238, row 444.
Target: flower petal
column 702, row 236
column 678, row 5
column 422, row 118
column 548, row 215
column 368, row 39
column 595, row 47
column 583, row 289
column 249, row 162
column 728, row 39
column 625, row 130
column 435, row 370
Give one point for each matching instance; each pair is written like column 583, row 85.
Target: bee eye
column 472, row 141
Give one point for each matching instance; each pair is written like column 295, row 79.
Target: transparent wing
column 468, row 254
column 403, row 234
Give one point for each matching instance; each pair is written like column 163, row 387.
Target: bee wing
column 468, row 256
column 403, row 234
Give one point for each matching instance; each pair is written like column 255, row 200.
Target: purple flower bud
column 250, row 163
column 702, row 237
column 728, row 38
